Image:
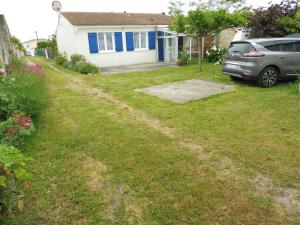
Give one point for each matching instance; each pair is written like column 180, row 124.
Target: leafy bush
column 27, row 90
column 61, row 59
column 15, row 66
column 15, row 129
column 184, row 58
column 12, row 171
column 7, row 106
column 215, row 55
column 87, row 68
column 75, row 58
column 78, row 63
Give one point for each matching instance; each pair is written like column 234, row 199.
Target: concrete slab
column 135, row 68
column 182, row 92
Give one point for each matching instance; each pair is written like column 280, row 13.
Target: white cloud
column 24, row 17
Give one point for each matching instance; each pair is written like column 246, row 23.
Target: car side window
column 288, row 46
column 271, row 45
column 282, row 46
column 297, row 44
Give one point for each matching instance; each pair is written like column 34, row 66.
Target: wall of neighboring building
column 6, row 46
column 225, row 38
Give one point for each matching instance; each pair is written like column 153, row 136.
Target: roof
column 115, row 19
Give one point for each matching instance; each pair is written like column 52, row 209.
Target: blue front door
column 161, row 56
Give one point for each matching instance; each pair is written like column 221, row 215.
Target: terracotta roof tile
column 115, row 19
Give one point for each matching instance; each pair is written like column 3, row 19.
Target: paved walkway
column 183, row 92
column 135, row 68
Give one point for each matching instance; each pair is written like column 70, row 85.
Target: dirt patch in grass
column 98, row 178
column 115, row 201
column 286, row 197
column 114, row 196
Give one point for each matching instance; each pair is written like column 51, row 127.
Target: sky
column 24, row 17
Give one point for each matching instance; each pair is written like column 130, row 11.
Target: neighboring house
column 117, row 39
column 6, row 45
column 31, row 45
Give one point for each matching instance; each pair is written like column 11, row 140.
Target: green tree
column 16, row 41
column 290, row 24
column 200, row 23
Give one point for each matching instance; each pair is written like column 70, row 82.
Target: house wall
column 74, row 40
column 108, row 59
column 65, row 37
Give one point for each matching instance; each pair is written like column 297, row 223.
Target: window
column 106, row 42
column 140, row 40
column 239, row 47
column 282, row 46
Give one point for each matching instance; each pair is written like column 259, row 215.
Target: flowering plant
column 15, row 129
column 215, row 55
column 32, row 68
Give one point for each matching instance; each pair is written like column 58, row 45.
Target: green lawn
column 97, row 163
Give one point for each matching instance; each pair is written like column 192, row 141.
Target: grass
column 95, row 164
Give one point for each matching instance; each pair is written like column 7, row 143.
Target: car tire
column 268, row 77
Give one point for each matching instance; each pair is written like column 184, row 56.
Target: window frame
column 105, row 42
column 140, row 40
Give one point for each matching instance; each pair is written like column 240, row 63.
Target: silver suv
column 263, row 60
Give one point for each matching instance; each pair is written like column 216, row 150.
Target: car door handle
column 282, row 57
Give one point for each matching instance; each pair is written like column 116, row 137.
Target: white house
column 117, row 39
column 31, row 45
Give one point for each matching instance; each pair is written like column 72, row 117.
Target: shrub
column 79, row 64
column 61, row 59
column 87, row 68
column 12, row 171
column 15, row 66
column 184, row 58
column 27, row 90
column 16, row 129
column 7, row 106
column 75, row 58
column 215, row 55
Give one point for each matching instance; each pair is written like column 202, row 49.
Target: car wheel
column 268, row 77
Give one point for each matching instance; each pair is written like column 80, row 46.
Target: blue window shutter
column 93, row 43
column 119, row 41
column 129, row 41
column 151, row 38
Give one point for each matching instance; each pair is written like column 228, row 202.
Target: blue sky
column 24, row 17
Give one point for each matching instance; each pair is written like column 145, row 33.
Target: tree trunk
column 200, row 54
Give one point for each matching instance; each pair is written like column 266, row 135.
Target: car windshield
column 239, row 47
